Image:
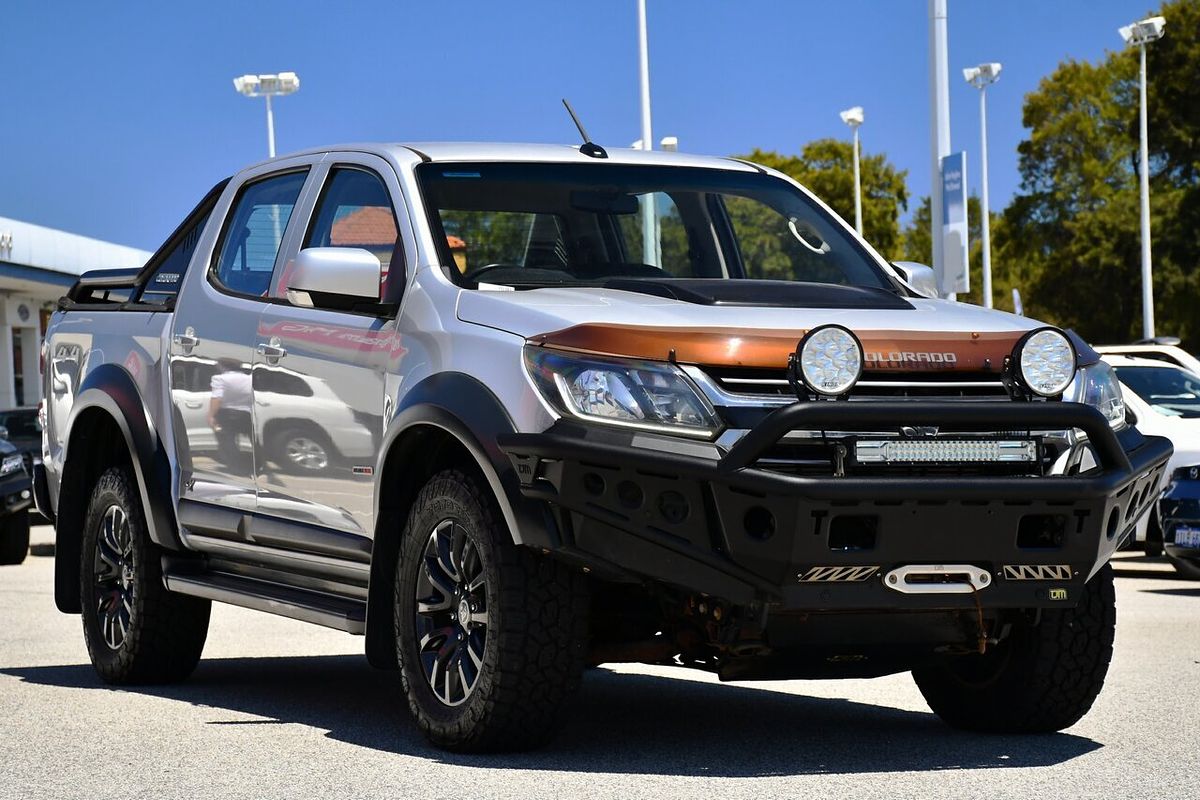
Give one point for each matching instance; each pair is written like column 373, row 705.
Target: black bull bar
column 688, row 515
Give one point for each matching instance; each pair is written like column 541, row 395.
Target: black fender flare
column 111, row 388
column 465, row 408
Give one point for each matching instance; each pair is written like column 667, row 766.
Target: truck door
column 213, row 337
column 320, row 373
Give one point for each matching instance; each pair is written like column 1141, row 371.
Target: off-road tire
column 165, row 631
column 1043, row 678
column 1185, row 567
column 536, row 633
column 14, row 538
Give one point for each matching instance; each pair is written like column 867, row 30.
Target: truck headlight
column 1097, row 386
column 634, row 394
column 12, row 464
column 1047, row 361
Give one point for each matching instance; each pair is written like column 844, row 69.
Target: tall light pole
column 854, row 118
column 939, row 130
column 1140, row 34
column 268, row 86
column 981, row 77
column 649, row 234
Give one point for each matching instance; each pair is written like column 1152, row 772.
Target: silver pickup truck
column 511, row 410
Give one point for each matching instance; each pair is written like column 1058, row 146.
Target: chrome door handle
column 187, row 340
column 271, row 352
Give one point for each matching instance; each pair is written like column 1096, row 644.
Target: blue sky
column 118, row 116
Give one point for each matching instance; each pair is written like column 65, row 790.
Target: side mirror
column 919, row 278
column 334, row 277
column 3, row 433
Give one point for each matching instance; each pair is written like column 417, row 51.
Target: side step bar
column 322, row 609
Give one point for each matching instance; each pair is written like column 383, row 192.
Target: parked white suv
column 1165, row 398
column 1165, row 349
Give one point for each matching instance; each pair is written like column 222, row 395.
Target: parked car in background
column 1179, row 510
column 1163, row 348
column 1166, row 400
column 16, row 496
column 22, row 427
column 24, row 430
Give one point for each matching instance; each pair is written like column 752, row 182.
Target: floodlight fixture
column 268, row 86
column 983, row 75
column 1143, row 31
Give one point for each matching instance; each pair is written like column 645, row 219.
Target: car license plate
column 1187, row 536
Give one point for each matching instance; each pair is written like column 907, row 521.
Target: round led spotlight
column 1047, row 361
column 831, row 360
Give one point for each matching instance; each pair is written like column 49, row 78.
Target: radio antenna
column 588, row 148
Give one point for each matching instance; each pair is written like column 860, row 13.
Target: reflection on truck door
column 213, row 340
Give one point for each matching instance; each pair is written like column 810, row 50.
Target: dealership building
column 37, row 265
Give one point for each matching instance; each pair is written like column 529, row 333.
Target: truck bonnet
column 914, row 334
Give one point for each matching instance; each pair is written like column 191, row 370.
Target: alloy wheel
column 451, row 613
column 115, row 577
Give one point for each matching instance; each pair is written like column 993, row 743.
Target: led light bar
column 923, row 451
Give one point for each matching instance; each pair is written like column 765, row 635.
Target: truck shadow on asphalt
column 634, row 724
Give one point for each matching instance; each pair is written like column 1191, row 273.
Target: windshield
column 1168, row 390
column 528, row 225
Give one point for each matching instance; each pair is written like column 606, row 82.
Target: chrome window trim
column 718, row 395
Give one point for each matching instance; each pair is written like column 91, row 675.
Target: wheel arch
column 108, row 427
column 450, row 419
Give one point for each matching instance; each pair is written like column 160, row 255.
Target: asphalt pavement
column 278, row 708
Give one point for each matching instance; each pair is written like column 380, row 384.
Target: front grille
column 827, row 453
column 27, row 462
column 756, row 382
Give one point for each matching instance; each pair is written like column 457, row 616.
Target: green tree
column 826, row 168
column 1071, row 237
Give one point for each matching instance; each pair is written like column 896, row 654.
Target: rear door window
column 163, row 284
column 253, row 233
